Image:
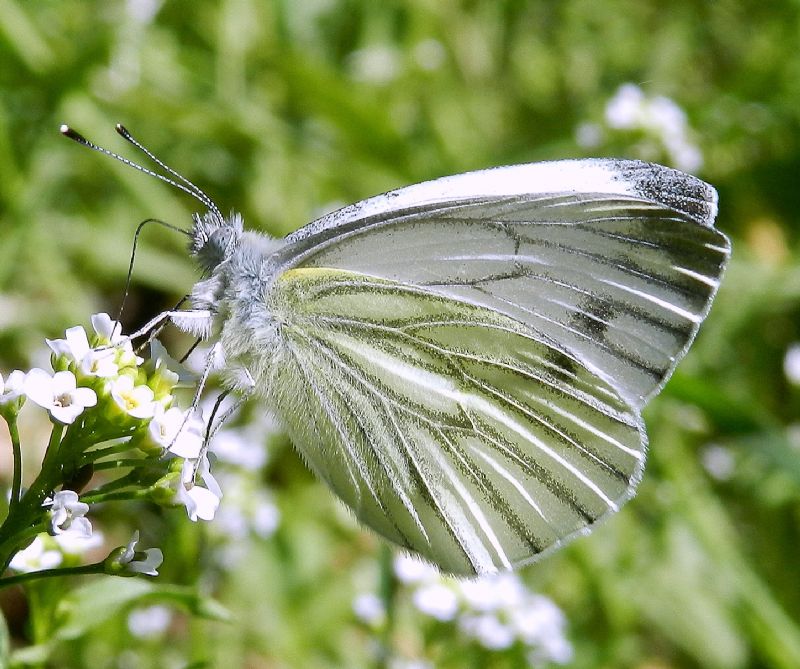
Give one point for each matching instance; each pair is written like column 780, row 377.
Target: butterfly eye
column 214, row 238
column 220, row 240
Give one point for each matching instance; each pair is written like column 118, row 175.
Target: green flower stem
column 95, row 454
column 121, row 463
column 16, row 483
column 94, row 498
column 96, row 568
column 17, row 527
column 388, row 592
column 131, row 478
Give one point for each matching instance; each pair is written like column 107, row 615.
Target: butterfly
column 465, row 361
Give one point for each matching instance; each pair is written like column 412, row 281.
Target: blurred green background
column 286, row 109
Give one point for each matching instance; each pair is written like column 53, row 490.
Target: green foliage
column 285, row 108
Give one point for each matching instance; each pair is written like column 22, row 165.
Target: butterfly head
column 214, row 237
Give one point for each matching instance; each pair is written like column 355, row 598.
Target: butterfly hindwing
column 449, row 428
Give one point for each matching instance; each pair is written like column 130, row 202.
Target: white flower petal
column 153, row 557
column 63, row 382
column 13, row 387
column 206, row 503
column 86, row 397
column 59, row 347
column 149, row 566
column 78, row 342
column 205, row 473
column 100, row 363
column 38, row 387
column 106, row 328
column 136, row 401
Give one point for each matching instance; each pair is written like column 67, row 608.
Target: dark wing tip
column 677, row 190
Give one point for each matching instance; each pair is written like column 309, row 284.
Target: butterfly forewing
column 618, row 266
column 449, row 428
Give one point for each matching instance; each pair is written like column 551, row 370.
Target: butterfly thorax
column 240, row 269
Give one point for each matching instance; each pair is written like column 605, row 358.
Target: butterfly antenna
column 199, row 193
column 191, row 189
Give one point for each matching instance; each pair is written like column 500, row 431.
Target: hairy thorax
column 244, row 322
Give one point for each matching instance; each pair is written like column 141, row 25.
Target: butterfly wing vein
column 449, row 428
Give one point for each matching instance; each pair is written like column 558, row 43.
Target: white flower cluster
column 380, row 64
column 657, row 117
column 100, row 387
column 496, row 611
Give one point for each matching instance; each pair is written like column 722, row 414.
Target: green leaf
column 92, row 604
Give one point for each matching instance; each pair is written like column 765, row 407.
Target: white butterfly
column 464, row 361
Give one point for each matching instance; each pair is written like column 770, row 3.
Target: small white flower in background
column 793, row 435
column 237, row 448
column 497, row 611
column 266, row 516
column 488, row 631
column 718, row 461
column 658, row 117
column 74, row 544
column 409, row 569
column 624, row 111
column 406, row 663
column 173, row 430
column 139, row 562
column 556, row 649
column 12, row 388
column 200, row 502
column 588, row 135
column 375, row 64
column 67, row 514
column 537, row 620
column 35, row 557
column 436, row 600
column 136, row 401
column 58, row 394
column 369, row 608
column 149, row 622
column 429, row 54
column 249, row 510
column 490, row 593
column 791, row 364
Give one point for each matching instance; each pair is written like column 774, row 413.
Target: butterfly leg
column 211, row 428
column 240, row 400
column 195, row 321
